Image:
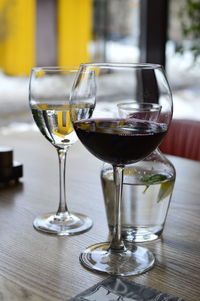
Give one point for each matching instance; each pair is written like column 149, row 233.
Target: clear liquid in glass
column 146, row 198
column 55, row 124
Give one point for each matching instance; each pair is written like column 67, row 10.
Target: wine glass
column 49, row 91
column 96, row 93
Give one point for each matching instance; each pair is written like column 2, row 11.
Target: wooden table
column 35, row 266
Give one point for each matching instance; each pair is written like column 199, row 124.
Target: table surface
column 35, row 266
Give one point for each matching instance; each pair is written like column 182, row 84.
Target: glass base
column 63, row 224
column 141, row 234
column 133, row 261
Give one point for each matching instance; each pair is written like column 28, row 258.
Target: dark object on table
column 9, row 170
column 118, row 288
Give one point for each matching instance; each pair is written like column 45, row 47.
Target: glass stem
column 117, row 245
column 62, row 209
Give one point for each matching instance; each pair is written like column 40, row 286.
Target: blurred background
column 69, row 32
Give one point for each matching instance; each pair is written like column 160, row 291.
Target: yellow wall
column 18, row 30
column 17, row 47
column 74, row 31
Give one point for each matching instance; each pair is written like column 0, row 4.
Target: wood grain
column 35, row 266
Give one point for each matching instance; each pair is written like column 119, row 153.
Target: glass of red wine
column 96, row 94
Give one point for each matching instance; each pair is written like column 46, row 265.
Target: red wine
column 120, row 141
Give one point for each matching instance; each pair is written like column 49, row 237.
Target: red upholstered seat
column 183, row 139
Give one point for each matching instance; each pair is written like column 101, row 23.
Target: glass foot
column 63, row 224
column 130, row 262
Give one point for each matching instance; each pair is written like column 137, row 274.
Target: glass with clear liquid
column 147, row 191
column 49, row 95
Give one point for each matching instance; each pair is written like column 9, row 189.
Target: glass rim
column 135, row 105
column 55, row 68
column 123, row 65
